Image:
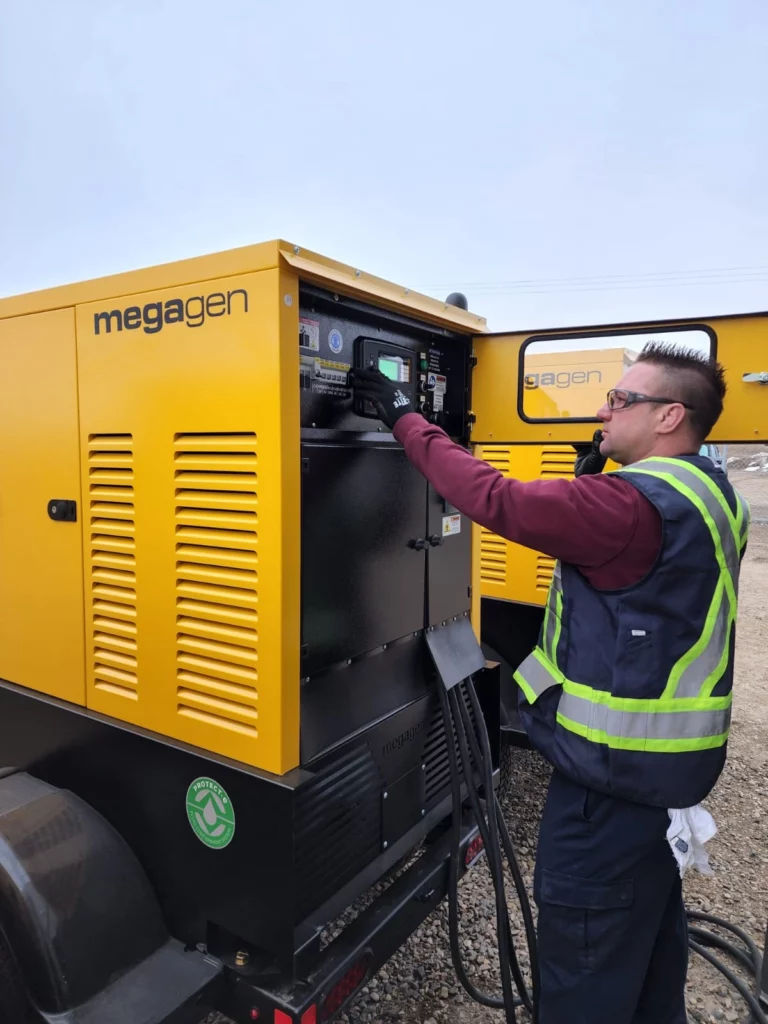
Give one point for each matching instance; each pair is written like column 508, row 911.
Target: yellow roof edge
column 246, row 259
column 352, row 281
column 229, row 263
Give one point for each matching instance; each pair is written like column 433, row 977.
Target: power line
column 615, row 282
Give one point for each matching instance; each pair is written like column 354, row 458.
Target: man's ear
column 671, row 418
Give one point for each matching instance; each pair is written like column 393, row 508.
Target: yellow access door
column 41, row 576
column 544, row 387
column 536, row 392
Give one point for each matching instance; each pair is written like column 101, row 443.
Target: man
column 628, row 693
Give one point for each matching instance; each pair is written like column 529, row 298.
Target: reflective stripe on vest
column 661, row 725
column 700, row 669
column 743, row 519
column 686, row 716
column 553, row 615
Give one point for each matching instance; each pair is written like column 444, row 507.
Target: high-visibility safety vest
column 629, row 691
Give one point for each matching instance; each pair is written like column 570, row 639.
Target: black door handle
column 62, row 510
column 435, row 540
column 417, row 545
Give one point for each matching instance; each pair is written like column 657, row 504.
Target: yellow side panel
column 508, row 571
column 495, row 398
column 41, row 575
column 190, row 439
column 742, row 348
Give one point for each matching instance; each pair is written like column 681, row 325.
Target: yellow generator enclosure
column 151, row 469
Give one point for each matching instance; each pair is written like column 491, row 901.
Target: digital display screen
column 395, row 367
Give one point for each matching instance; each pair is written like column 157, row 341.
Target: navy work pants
column 613, row 939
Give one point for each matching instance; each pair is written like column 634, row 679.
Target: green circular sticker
column 210, row 813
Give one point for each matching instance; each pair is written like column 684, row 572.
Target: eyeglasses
column 618, row 398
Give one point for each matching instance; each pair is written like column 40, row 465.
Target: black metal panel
column 338, row 826
column 340, row 702
column 449, row 560
column 250, row 893
column 335, row 325
column 376, row 934
column 455, row 651
column 403, row 804
column 362, row 585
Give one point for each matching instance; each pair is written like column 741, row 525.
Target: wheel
column 14, row 1002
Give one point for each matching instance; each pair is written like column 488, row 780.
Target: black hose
column 493, row 1002
column 746, row 938
column 483, row 760
column 758, row 1014
column 705, row 938
column 493, row 856
column 750, row 959
column 531, row 1002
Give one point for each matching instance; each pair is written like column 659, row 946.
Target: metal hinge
column 305, row 465
column 473, row 360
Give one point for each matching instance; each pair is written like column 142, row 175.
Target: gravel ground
column 418, row 985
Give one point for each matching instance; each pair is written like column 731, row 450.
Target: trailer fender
column 75, row 905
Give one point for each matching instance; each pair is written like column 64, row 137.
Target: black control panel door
column 362, row 582
column 449, row 560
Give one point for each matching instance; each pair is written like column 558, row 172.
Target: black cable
column 493, row 856
column 486, row 772
column 758, row 1014
column 531, row 1001
column 705, row 938
column 746, row 938
column 493, row 1002
column 750, row 959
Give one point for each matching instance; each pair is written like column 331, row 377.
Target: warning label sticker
column 441, row 384
column 309, row 334
column 451, row 525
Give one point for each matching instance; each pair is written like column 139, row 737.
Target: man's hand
column 588, row 457
column 384, row 394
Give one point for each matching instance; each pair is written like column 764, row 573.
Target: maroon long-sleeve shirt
column 599, row 523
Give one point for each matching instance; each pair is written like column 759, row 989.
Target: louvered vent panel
column 493, row 549
column 113, row 563
column 217, row 580
column 545, row 567
column 435, row 755
column 555, row 462
column 337, row 829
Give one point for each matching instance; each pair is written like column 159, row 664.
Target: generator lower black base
column 362, row 948
column 306, row 844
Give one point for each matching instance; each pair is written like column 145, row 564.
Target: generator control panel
column 431, row 365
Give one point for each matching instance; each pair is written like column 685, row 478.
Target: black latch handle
column 62, row 510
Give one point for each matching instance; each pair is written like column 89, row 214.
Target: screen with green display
column 392, row 367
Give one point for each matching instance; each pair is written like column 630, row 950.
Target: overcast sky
column 442, row 145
